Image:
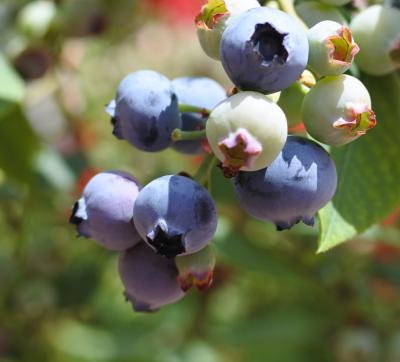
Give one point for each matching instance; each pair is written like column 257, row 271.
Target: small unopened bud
column 196, row 269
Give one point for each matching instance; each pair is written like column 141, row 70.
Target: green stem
column 179, row 135
column 187, row 108
column 203, row 174
column 288, row 7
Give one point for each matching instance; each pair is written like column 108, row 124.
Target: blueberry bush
column 204, row 180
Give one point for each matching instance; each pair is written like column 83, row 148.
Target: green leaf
column 18, row 142
column 368, row 170
column 11, row 86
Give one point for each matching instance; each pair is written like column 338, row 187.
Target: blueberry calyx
column 285, row 225
column 360, row 120
column 210, row 15
column 166, row 243
column 139, row 306
column 78, row 213
column 240, row 149
column 268, row 43
column 200, row 280
column 342, row 48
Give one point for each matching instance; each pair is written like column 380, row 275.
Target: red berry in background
column 180, row 12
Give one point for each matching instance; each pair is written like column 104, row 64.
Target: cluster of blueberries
column 163, row 229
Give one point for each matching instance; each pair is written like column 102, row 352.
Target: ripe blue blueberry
column 264, row 50
column 145, row 111
column 200, row 92
column 104, row 212
column 150, row 281
column 300, row 181
column 212, row 21
column 175, row 215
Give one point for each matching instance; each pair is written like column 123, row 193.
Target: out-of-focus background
column 274, row 299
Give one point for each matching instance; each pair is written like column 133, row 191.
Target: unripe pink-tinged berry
column 246, row 132
column 337, row 110
column 332, row 48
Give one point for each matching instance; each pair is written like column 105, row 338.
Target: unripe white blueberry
column 332, row 48
column 377, row 32
column 246, row 131
column 337, row 110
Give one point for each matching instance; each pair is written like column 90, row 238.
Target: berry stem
column 203, row 174
column 179, row 135
column 288, row 7
column 187, row 108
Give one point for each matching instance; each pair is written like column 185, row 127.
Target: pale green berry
column 36, row 18
column 332, row 48
column 377, row 32
column 246, row 132
column 337, row 110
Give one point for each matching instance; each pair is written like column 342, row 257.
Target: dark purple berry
column 175, row 215
column 145, row 111
column 300, row 181
column 264, row 50
column 150, row 280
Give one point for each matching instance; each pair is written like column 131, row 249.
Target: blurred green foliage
column 273, row 298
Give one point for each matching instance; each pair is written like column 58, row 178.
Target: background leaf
column 18, row 142
column 369, row 171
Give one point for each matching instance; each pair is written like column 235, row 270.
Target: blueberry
column 377, row 32
column 196, row 269
column 200, row 92
column 150, row 280
column 337, row 110
column 332, row 48
column 293, row 188
column 175, row 215
column 104, row 212
column 212, row 20
column 145, row 111
column 246, row 132
column 264, row 50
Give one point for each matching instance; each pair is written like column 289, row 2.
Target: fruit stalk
column 179, row 135
column 188, row 108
